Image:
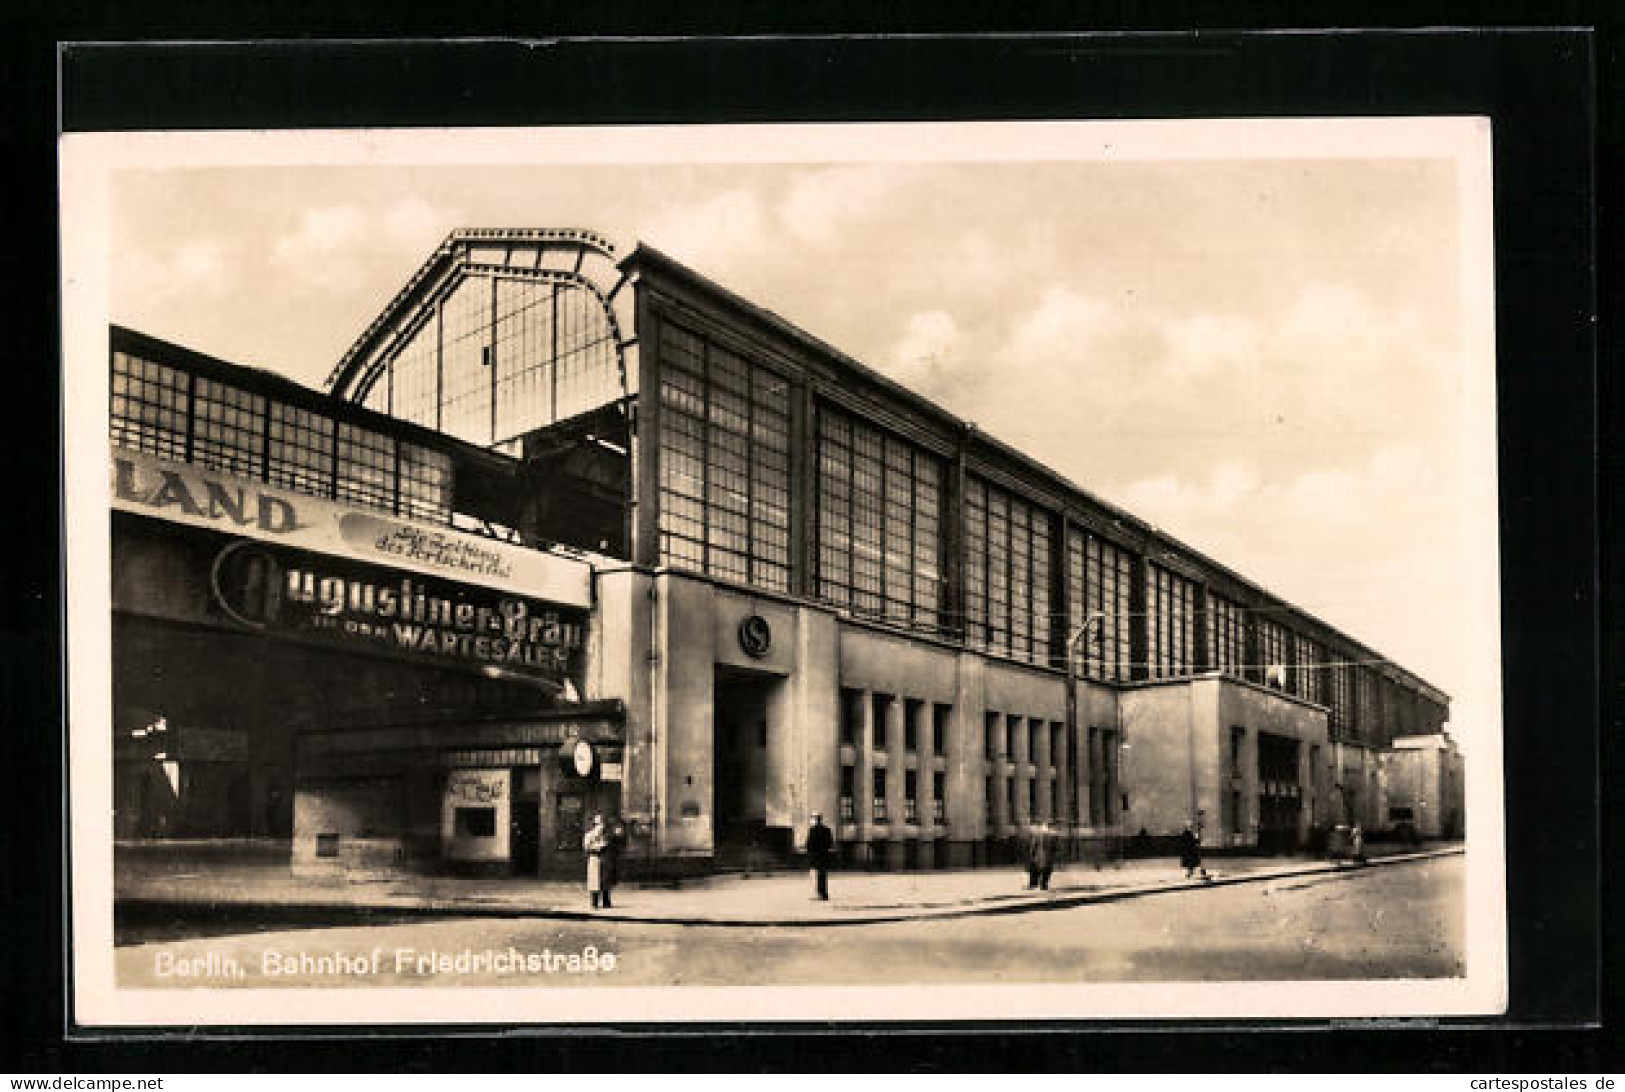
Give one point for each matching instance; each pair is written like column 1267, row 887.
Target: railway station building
column 571, row 532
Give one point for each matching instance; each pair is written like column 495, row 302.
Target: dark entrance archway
column 743, row 726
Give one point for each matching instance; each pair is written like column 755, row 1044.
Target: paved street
column 1401, row 920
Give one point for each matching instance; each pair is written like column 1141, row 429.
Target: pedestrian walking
column 1040, row 857
column 819, row 844
column 1190, row 853
column 595, row 842
column 1357, row 844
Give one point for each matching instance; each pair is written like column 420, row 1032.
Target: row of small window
column 880, row 805
column 854, row 703
column 1010, row 737
column 168, row 412
column 1044, row 797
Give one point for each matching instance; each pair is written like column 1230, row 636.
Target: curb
column 986, row 906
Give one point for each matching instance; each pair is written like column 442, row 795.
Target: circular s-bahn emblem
column 247, row 584
column 755, row 636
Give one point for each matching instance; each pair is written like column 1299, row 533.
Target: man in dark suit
column 820, row 842
column 1040, row 857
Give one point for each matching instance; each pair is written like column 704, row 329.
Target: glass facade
column 1367, row 710
column 1274, row 653
column 1226, row 635
column 1170, row 623
column 1100, row 578
column 501, row 356
column 724, row 463
column 879, row 522
column 170, row 412
column 1309, row 676
column 1007, row 574
column 1341, row 718
column 151, row 407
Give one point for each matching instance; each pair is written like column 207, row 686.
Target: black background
column 1540, row 89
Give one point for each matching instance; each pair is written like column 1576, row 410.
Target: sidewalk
column 773, row 899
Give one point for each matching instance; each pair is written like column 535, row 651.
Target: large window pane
column 724, row 463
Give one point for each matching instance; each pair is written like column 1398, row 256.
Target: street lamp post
column 1073, row 642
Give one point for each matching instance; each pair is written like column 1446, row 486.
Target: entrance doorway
column 1280, row 796
column 742, row 731
column 525, row 822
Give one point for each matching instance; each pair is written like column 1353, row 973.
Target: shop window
column 911, row 807
column 848, row 792
column 475, row 822
column 879, row 813
column 939, row 804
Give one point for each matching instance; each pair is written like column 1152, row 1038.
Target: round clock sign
column 581, row 758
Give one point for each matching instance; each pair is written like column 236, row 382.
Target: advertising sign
column 369, row 608
column 184, row 493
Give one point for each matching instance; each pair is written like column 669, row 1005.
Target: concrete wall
column 1176, row 760
column 1425, row 775
column 801, row 755
column 1167, row 771
column 476, row 789
column 621, row 668
column 1255, row 710
column 1356, row 794
column 695, row 628
column 682, row 700
column 367, row 816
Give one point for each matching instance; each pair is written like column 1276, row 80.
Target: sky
column 1266, row 357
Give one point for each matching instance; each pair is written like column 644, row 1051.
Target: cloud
column 321, row 230
column 716, row 234
column 822, row 205
column 341, row 248
column 416, row 224
column 1205, row 342
column 923, row 357
column 192, row 268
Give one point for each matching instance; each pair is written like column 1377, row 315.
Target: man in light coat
column 596, row 843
